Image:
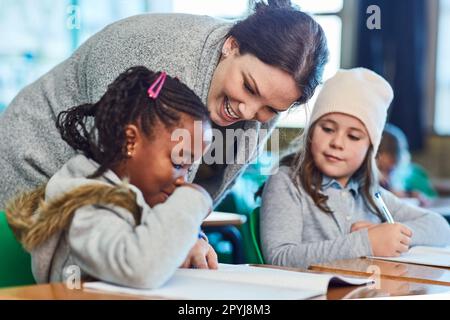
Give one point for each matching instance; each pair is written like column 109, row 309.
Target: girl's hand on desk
column 389, row 240
column 201, row 256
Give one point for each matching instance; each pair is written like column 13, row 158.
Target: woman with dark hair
column 246, row 73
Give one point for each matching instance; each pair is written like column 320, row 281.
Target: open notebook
column 238, row 282
column 430, row 256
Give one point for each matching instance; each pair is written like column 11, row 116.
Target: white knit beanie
column 360, row 93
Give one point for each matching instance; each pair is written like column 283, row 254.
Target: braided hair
column 98, row 130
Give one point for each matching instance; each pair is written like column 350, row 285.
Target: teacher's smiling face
column 245, row 88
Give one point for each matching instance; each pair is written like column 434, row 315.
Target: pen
column 386, row 213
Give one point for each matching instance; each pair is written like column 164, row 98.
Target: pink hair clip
column 159, row 82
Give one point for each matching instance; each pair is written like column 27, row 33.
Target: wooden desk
column 58, row 291
column 387, row 287
column 388, row 270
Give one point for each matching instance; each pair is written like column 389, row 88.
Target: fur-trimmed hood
column 34, row 220
column 40, row 215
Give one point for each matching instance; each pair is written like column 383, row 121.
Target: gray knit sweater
column 185, row 46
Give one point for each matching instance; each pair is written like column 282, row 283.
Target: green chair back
column 254, row 233
column 15, row 262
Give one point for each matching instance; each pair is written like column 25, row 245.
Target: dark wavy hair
column 280, row 35
column 98, row 130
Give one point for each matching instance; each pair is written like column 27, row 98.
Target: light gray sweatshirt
column 186, row 46
column 296, row 233
column 106, row 243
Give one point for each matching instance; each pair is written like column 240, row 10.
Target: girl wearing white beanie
column 320, row 206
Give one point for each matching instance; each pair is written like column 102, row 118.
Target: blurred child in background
column 398, row 174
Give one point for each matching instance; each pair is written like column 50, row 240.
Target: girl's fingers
column 187, row 263
column 211, row 257
column 199, row 254
column 199, row 261
column 361, row 225
column 402, row 248
column 405, row 240
column 406, row 231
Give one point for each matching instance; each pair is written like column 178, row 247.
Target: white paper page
column 180, row 287
column 236, row 282
column 275, row 277
column 431, row 256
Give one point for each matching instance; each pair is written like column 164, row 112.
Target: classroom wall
column 286, row 136
column 435, row 157
column 436, row 154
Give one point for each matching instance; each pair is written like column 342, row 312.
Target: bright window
column 37, row 35
column 217, row 8
column 32, row 41
column 320, row 7
column 442, row 107
column 95, row 15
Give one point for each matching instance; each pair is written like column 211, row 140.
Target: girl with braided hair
column 121, row 209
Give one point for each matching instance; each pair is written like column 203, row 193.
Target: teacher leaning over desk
column 246, row 73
